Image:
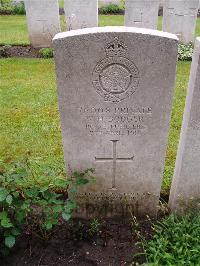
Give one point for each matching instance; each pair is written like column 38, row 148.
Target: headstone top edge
column 114, row 29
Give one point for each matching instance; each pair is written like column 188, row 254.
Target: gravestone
column 141, row 13
column 185, row 189
column 179, row 17
column 43, row 21
column 115, row 96
column 81, row 14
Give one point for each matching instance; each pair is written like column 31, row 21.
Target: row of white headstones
column 43, row 17
column 115, row 90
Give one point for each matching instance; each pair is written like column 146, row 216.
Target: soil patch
column 115, row 244
column 26, row 51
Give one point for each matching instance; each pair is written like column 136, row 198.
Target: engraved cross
column 114, row 160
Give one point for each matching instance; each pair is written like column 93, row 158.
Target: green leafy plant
column 175, row 241
column 46, row 53
column 94, row 227
column 185, row 52
column 111, row 9
column 6, row 7
column 35, row 207
column 19, row 8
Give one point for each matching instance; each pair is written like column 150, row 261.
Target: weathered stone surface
column 179, row 17
column 43, row 21
column 115, row 95
column 141, row 13
column 81, row 14
column 185, row 189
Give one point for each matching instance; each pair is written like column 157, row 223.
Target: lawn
column 14, row 29
column 29, row 113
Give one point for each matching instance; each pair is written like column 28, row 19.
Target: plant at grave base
column 46, row 53
column 94, row 227
column 111, row 9
column 185, row 52
column 34, row 207
column 4, row 50
column 6, row 7
column 175, row 241
column 19, row 8
column 80, row 230
column 122, row 4
column 134, row 223
column 9, row 7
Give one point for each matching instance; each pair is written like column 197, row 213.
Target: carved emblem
column 115, row 77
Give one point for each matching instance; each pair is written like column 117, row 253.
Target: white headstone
column 81, row 14
column 43, row 21
column 141, row 13
column 115, row 96
column 185, row 189
column 179, row 17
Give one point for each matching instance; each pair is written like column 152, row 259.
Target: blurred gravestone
column 185, row 191
column 141, row 13
column 179, row 17
column 43, row 21
column 81, row 14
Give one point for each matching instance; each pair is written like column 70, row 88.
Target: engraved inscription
column 114, row 160
column 116, row 121
column 115, row 77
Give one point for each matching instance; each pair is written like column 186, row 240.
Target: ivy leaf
column 57, row 208
column 6, row 223
column 61, row 182
column 3, row 215
column 71, row 205
column 66, row 216
column 10, row 241
column 15, row 232
column 20, row 216
column 3, row 194
column 9, row 199
column 48, row 225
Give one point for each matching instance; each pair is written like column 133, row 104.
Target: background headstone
column 141, row 13
column 115, row 96
column 43, row 21
column 81, row 14
column 179, row 17
column 185, row 189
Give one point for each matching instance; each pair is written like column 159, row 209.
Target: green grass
column 182, row 78
column 175, row 242
column 61, row 3
column 14, row 29
column 29, row 113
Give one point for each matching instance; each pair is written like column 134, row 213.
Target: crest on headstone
column 115, row 77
